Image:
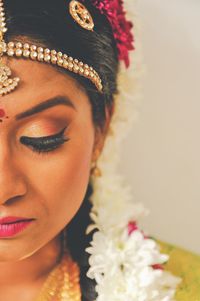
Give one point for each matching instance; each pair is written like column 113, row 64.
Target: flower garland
column 125, row 263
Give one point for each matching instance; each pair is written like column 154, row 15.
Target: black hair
column 48, row 22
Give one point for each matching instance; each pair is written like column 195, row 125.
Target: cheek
column 57, row 184
column 63, row 181
column 69, row 184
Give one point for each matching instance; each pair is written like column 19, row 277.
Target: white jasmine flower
column 121, row 264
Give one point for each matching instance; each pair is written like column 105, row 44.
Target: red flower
column 132, row 226
column 157, row 266
column 114, row 10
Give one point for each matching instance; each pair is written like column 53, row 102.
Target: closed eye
column 45, row 144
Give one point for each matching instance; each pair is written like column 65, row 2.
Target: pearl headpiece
column 40, row 54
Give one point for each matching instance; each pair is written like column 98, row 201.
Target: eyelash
column 45, row 144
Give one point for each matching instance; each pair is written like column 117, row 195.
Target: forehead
column 39, row 81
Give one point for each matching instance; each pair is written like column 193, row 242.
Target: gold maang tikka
column 34, row 52
column 6, row 84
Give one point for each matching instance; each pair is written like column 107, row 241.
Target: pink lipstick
column 11, row 225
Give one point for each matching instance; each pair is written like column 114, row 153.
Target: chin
column 11, row 251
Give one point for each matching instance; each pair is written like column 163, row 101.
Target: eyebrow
column 49, row 103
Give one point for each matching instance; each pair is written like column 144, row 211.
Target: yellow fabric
column 186, row 265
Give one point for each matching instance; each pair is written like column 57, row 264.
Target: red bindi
column 2, row 113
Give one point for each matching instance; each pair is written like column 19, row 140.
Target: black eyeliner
column 46, row 143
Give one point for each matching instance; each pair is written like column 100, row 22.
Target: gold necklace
column 62, row 284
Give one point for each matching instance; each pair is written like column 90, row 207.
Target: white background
column 163, row 149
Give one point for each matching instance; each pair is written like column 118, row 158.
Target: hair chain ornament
column 41, row 54
column 6, row 84
column 81, row 15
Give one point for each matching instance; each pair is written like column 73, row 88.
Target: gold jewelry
column 40, row 54
column 81, row 15
column 6, row 84
column 52, row 56
column 63, row 283
column 95, row 170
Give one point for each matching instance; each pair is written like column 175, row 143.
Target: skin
column 48, row 187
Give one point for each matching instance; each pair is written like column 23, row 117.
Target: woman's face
column 47, row 186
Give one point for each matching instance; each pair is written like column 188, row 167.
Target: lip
column 11, row 225
column 13, row 219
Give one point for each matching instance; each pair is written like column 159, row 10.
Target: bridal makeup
column 45, row 157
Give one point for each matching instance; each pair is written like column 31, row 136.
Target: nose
column 12, row 180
